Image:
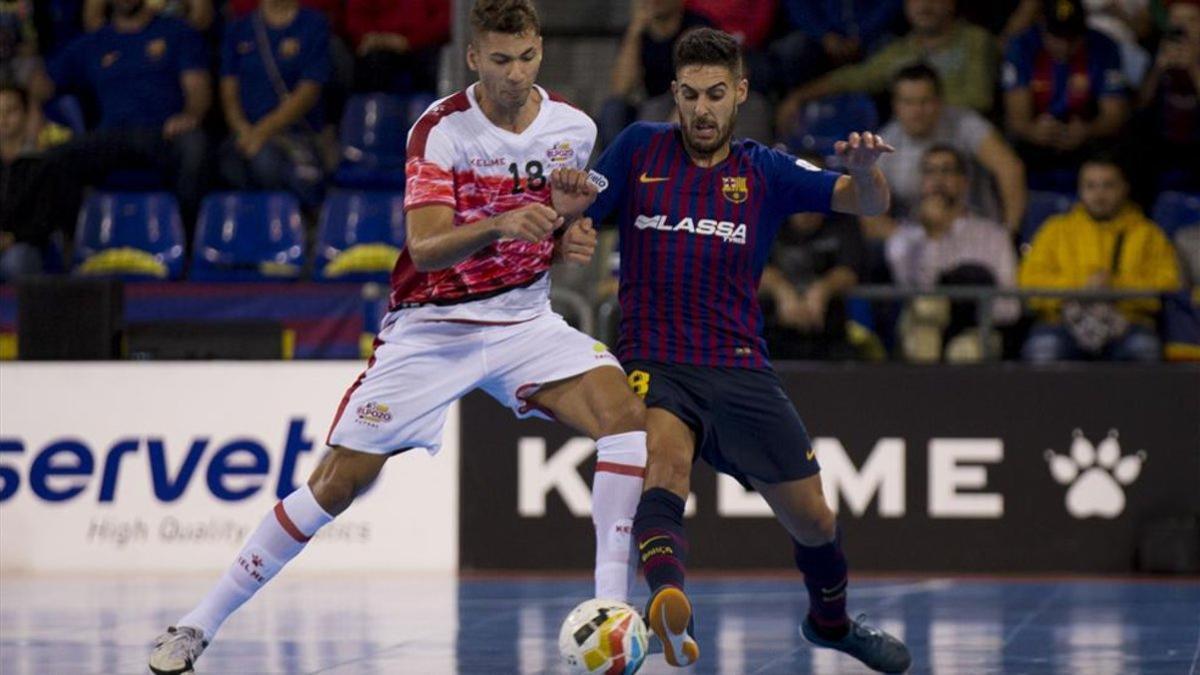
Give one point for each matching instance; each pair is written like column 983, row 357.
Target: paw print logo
column 1097, row 475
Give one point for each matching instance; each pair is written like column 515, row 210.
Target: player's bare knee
column 341, row 476
column 334, row 493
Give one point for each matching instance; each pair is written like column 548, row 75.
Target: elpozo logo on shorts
column 373, row 414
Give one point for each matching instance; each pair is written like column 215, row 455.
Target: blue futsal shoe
column 875, row 648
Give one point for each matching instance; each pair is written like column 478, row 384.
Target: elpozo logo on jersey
column 733, row 233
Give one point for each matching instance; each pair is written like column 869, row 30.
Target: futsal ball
column 603, row 636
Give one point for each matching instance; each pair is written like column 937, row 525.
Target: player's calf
column 279, row 537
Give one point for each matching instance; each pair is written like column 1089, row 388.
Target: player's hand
column 578, row 243
column 861, row 151
column 531, row 223
column 570, row 192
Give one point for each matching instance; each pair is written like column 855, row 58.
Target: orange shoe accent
column 669, row 614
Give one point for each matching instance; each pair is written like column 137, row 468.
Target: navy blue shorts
column 745, row 424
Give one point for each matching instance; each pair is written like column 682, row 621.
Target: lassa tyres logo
column 231, row 469
column 733, row 233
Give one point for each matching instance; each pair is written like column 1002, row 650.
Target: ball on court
column 603, row 636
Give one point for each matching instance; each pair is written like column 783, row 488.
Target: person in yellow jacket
column 1104, row 242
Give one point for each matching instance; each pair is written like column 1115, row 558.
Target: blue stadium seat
column 831, row 119
column 373, row 135
column 1174, row 210
column 66, row 111
column 130, row 235
column 360, row 235
column 1041, row 206
column 248, row 236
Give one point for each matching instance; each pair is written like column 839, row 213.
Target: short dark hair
column 1106, row 158
column 960, row 160
column 918, row 72
column 512, row 17
column 1065, row 18
column 708, row 47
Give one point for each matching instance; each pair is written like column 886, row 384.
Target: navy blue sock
column 824, row 569
column 662, row 545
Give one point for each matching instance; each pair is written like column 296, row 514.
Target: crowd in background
column 989, row 105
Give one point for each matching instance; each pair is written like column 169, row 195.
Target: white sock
column 279, row 537
column 616, row 489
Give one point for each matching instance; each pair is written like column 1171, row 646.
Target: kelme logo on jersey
column 733, row 233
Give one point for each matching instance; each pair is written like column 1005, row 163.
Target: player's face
column 507, row 65
column 12, row 116
column 917, row 107
column 707, row 97
column 1102, row 190
column 942, row 176
column 929, row 16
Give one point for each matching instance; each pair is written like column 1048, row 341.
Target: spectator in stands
column 57, row 23
column 334, row 10
column 274, row 63
column 815, row 260
column 22, row 235
column 1063, row 88
column 397, row 43
column 149, row 74
column 943, row 243
column 1170, row 102
column 643, row 70
column 1124, row 22
column 831, row 33
column 18, row 42
column 965, row 57
column 1104, row 243
column 921, row 120
column 1004, row 18
column 197, row 13
column 751, row 23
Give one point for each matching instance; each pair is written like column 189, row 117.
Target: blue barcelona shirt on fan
column 135, row 76
column 694, row 242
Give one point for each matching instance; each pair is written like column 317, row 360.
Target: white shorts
column 420, row 367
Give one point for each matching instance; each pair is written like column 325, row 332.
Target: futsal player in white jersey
column 487, row 213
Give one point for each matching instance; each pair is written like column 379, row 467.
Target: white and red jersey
column 458, row 158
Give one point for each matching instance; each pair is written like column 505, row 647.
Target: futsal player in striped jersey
column 698, row 214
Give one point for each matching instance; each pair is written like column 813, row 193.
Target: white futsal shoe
column 175, row 651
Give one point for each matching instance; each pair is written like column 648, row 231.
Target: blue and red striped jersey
column 694, row 241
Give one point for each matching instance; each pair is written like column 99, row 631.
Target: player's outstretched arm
column 434, row 242
column 865, row 191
